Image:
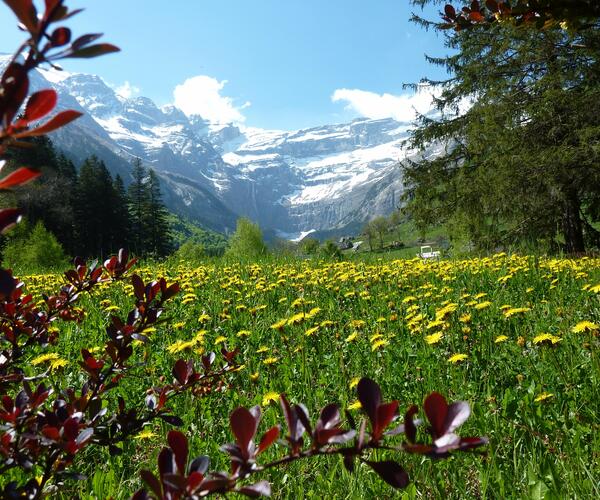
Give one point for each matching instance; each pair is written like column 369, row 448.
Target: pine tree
column 121, row 223
column 158, row 237
column 137, row 195
column 93, row 211
column 519, row 128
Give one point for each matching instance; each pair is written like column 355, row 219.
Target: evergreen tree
column 121, row 223
column 158, row 237
column 93, row 211
column 519, row 121
column 137, row 194
column 50, row 198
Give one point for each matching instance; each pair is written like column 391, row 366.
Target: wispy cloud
column 201, row 95
column 127, row 90
column 403, row 108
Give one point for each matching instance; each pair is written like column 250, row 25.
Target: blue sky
column 281, row 64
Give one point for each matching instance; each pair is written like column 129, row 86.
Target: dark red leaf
column 472, row 442
column 385, row 415
column 262, row 488
column 71, row 428
column 268, row 439
column 179, row 444
column 409, row 425
column 19, row 177
column 94, row 51
column 369, row 395
column 172, row 419
column 194, row 480
column 51, row 432
column 85, row 40
column 329, row 417
column 391, row 472
column 457, row 415
column 243, row 426
column 152, row 482
column 60, row 37
column 182, row 371
column 436, row 410
column 199, row 465
column 40, row 104
column 25, row 12
column 15, row 86
column 138, row 286
column 84, row 436
column 8, row 218
column 7, row 282
column 60, row 120
column 165, row 462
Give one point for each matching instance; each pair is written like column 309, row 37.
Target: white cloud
column 402, row 108
column 127, row 90
column 201, row 95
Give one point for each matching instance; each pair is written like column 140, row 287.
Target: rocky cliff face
column 321, row 178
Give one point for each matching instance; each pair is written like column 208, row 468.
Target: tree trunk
column 572, row 224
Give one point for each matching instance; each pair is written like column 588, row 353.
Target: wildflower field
column 516, row 337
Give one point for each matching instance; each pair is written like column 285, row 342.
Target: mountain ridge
column 322, row 178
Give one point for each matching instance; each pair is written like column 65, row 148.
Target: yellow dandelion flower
column 515, row 310
column 262, row 349
column 585, row 326
column 457, row 358
column 501, row 338
column 179, row 325
column 434, row 338
column 352, row 337
column 546, row 338
column 279, row 325
column 181, row 345
column 594, row 289
column 354, row 382
column 270, row 397
column 145, row 434
column 44, row 358
column 358, row 323
column 270, row 361
column 465, row 318
column 243, row 333
column 326, row 323
column 483, row 305
column 204, row 318
column 311, row 331
column 380, row 343
column 220, row 339
column 254, row 376
column 58, row 363
column 543, row 397
column 355, row 406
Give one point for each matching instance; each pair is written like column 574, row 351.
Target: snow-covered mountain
column 323, row 178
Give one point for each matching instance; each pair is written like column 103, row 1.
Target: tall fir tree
column 158, row 238
column 517, row 137
column 96, row 206
column 137, row 195
column 121, row 222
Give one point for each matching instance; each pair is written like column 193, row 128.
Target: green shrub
column 33, row 249
column 247, row 241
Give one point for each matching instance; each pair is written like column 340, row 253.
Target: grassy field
column 517, row 337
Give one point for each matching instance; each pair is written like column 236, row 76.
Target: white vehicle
column 427, row 253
